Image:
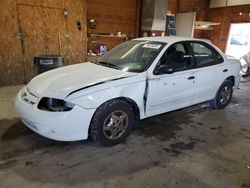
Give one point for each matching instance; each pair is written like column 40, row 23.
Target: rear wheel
column 112, row 123
column 223, row 95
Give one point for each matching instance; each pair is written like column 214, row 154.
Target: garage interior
column 192, row 147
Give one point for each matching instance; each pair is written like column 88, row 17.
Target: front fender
column 134, row 91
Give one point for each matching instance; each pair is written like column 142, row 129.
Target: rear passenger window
column 204, row 56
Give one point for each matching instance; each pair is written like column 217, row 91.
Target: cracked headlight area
column 54, row 105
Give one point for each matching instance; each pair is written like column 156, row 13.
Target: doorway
column 238, row 43
column 42, row 32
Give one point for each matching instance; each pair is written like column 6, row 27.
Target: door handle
column 225, row 70
column 154, row 78
column 191, row 77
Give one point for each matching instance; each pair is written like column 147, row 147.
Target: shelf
column 92, row 58
column 204, row 25
column 109, row 36
column 95, row 39
column 204, row 29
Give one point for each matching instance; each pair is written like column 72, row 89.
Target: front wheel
column 112, row 123
column 223, row 95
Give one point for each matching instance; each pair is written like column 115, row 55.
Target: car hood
column 60, row 82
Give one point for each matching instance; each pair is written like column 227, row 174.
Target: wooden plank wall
column 11, row 63
column 11, row 52
column 111, row 16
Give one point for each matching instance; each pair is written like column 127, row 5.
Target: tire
column 112, row 123
column 223, row 95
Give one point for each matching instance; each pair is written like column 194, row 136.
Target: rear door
column 170, row 91
column 210, row 71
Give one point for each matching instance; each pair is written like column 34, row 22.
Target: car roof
column 170, row 39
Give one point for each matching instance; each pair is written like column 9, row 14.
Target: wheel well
column 232, row 79
column 134, row 106
column 132, row 103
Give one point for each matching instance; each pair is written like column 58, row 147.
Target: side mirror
column 164, row 69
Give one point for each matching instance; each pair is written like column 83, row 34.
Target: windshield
column 132, row 56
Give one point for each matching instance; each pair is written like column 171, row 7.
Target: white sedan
column 135, row 80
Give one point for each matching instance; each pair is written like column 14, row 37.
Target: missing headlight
column 54, row 105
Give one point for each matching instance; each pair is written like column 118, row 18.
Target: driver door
column 168, row 90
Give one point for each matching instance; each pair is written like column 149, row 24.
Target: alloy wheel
column 115, row 125
column 225, row 95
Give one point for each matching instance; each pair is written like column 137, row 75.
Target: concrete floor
column 193, row 147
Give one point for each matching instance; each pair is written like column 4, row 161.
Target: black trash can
column 48, row 62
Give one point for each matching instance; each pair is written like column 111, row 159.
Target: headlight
column 55, row 105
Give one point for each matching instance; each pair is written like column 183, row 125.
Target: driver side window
column 176, row 58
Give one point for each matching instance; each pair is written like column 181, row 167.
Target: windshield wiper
column 106, row 64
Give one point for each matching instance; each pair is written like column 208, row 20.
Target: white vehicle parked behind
column 135, row 80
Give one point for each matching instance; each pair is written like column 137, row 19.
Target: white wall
column 223, row 3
